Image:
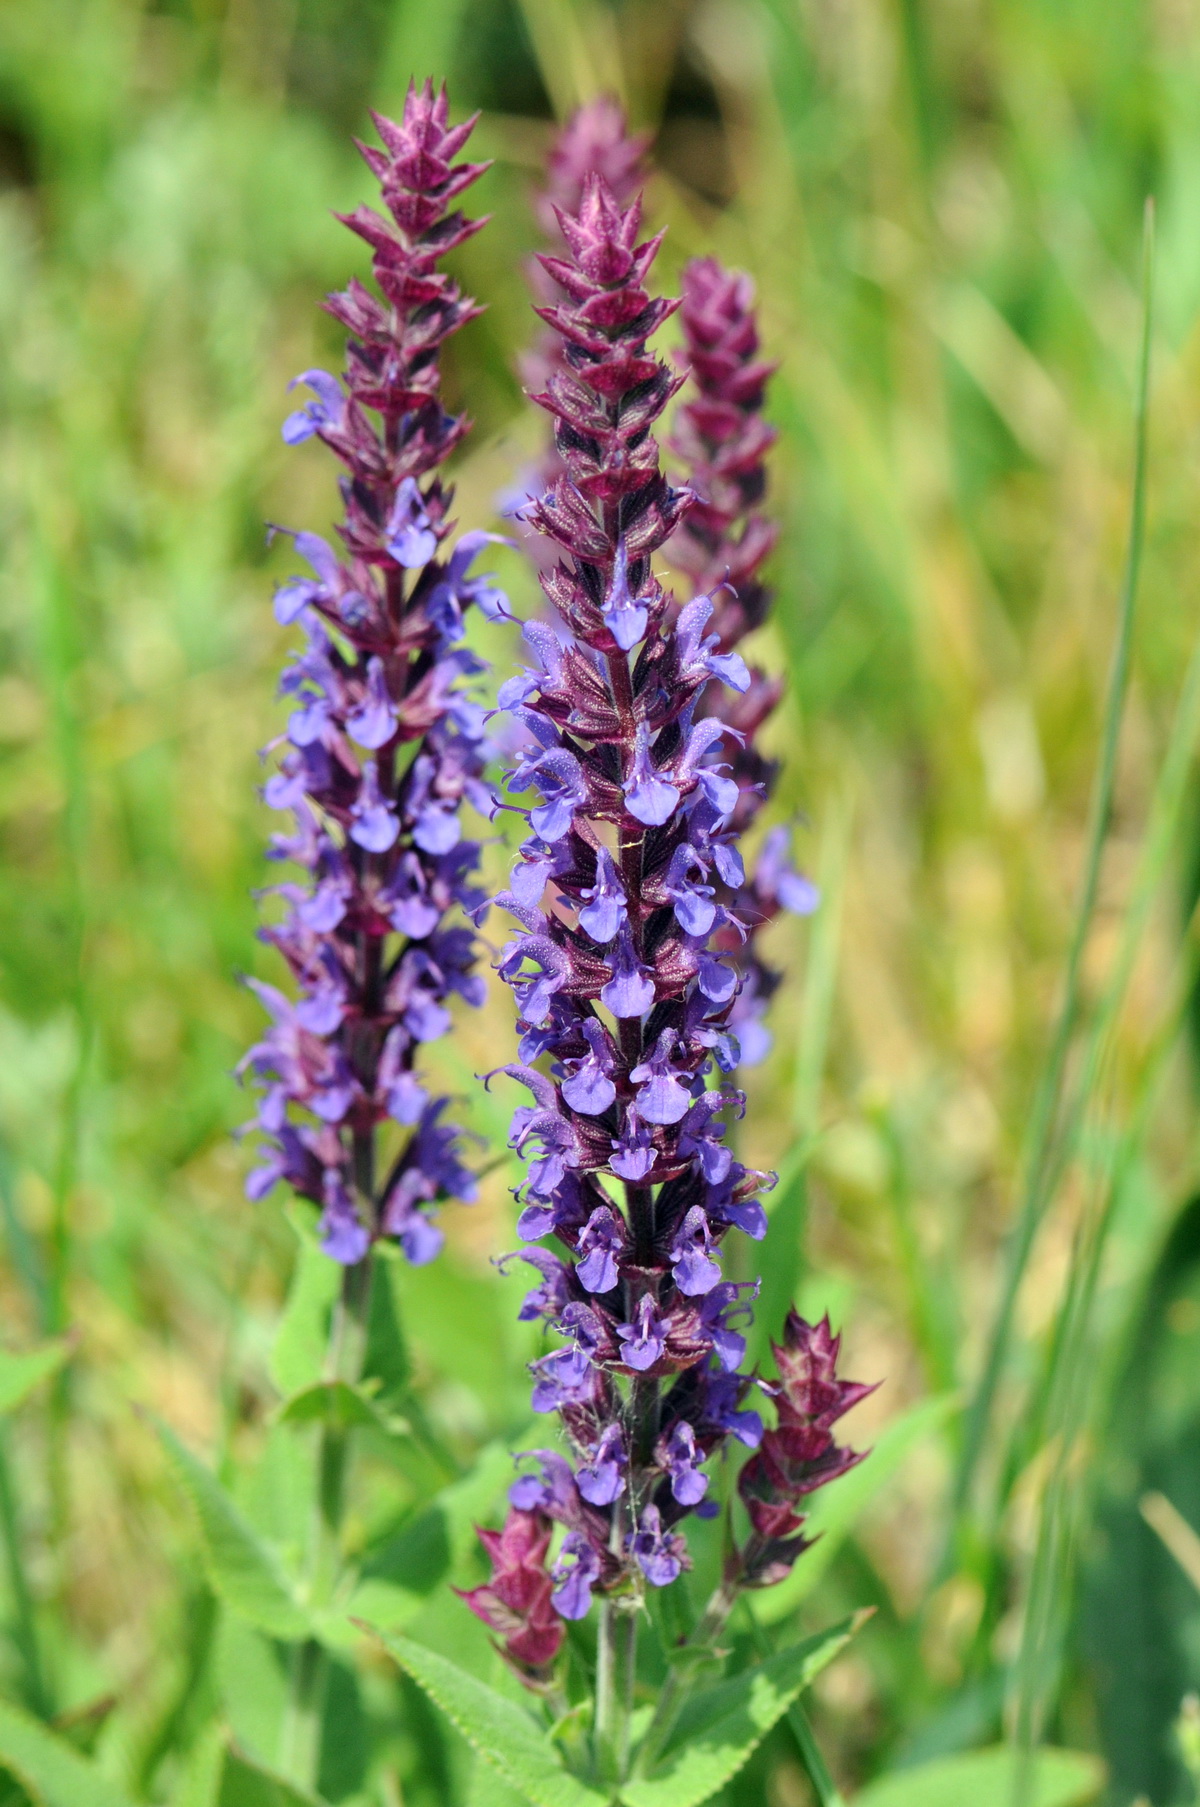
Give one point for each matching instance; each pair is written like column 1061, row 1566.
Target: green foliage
column 50, row 1770
column 505, row 1735
column 243, row 1571
column 720, row 1728
column 21, row 1372
column 246, row 1784
column 988, row 1779
column 941, row 209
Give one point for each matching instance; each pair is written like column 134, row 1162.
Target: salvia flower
column 623, row 993
column 382, row 745
column 721, row 543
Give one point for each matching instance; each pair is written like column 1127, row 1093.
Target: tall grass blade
column 1040, row 1145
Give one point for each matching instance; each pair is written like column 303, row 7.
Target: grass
column 942, row 209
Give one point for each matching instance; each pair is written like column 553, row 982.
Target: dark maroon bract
column 721, row 436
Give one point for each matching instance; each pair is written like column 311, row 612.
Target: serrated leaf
column 720, row 1728
column 51, row 1771
column 245, row 1783
column 301, row 1343
column 22, row 1371
column 838, row 1509
column 986, row 1779
column 501, row 1732
column 242, row 1570
column 336, row 1402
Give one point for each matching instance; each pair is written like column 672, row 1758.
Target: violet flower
column 721, row 544
column 616, row 967
column 382, row 745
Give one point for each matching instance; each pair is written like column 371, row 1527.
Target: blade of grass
column 1075, row 1397
column 1170, row 1525
column 1040, row 1144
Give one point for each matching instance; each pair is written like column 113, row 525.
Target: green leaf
column 246, row 1784
column 399, row 1578
column 838, row 1509
column 51, row 1771
column 21, row 1373
column 242, row 1570
column 501, row 1732
column 986, row 1779
column 336, row 1402
column 302, row 1341
column 721, row 1727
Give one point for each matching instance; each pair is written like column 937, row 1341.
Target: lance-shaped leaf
column 301, row 1344
column 247, row 1784
column 21, row 1372
column 398, row 1578
column 721, row 1727
column 51, row 1771
column 337, row 1403
column 242, row 1569
column 988, row 1779
column 503, row 1734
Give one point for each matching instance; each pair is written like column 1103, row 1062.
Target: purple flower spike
column 367, row 928
column 632, row 908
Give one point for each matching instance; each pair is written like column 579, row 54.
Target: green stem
column 1040, row 1147
column 37, row 1696
column 680, row 1678
column 616, row 1662
column 810, row 1755
column 309, row 1672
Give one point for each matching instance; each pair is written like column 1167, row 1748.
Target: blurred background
column 941, row 204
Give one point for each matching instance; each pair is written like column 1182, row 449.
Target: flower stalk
column 382, row 747
column 624, row 983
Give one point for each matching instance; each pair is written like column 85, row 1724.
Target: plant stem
column 616, row 1662
column 24, row 1631
column 309, row 1672
column 810, row 1755
column 680, row 1678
